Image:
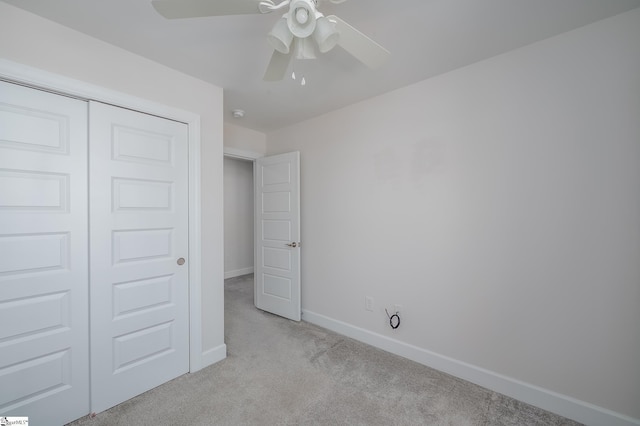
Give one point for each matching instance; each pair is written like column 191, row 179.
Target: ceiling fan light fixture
column 302, row 15
column 302, row 18
column 305, row 48
column 325, row 35
column 280, row 37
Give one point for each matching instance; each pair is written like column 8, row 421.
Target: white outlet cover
column 368, row 303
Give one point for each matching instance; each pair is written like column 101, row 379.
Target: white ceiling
column 425, row 37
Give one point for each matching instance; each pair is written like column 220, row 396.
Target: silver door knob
column 293, row 244
column 181, row 261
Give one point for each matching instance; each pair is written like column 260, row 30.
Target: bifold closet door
column 44, row 332
column 138, row 175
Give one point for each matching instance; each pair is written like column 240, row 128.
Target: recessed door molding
column 28, row 76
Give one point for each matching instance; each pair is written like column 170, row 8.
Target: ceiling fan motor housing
column 302, row 17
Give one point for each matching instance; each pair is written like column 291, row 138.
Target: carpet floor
column 280, row 372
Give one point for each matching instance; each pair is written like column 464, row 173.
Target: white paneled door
column 277, row 233
column 44, row 336
column 139, row 260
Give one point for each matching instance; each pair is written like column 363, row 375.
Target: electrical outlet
column 368, row 303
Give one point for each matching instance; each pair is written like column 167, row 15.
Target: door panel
column 277, row 204
column 139, row 228
column 44, row 360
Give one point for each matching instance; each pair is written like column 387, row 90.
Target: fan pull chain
column 303, row 82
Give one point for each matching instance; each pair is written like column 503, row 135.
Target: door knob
column 293, row 244
column 181, row 261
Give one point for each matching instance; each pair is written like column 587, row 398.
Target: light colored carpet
column 280, row 372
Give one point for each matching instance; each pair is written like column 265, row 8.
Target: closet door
column 139, row 260
column 44, row 364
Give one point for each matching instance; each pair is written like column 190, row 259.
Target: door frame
column 13, row 72
column 241, row 154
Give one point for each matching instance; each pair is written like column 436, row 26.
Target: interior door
column 139, row 262
column 44, row 336
column 277, row 234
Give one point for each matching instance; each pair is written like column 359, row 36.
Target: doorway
column 238, row 217
column 273, row 218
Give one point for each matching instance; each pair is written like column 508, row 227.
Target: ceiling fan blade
column 176, row 9
column 359, row 45
column 278, row 66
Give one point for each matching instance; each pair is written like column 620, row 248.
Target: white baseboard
column 554, row 402
column 211, row 356
column 238, row 272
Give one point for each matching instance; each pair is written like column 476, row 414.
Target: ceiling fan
column 298, row 33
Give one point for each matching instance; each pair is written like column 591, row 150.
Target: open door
column 277, row 234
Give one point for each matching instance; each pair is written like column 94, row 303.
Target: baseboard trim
column 554, row 402
column 213, row 355
column 238, row 272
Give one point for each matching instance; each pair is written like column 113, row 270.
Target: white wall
column 241, row 140
column 36, row 42
column 500, row 205
column 238, row 217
